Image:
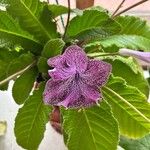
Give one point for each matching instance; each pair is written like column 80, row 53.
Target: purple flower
column 75, row 79
column 145, row 56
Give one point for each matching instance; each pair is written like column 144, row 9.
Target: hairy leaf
column 23, row 85
column 29, row 14
column 91, row 128
column 11, row 34
column 89, row 20
column 11, row 63
column 140, row 144
column 31, row 120
column 57, row 10
column 129, row 106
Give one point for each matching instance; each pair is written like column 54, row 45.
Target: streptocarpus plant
column 71, row 71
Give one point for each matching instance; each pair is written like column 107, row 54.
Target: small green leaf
column 23, row 85
column 129, row 107
column 42, row 65
column 91, row 128
column 57, row 10
column 31, row 121
column 139, row 144
column 53, row 47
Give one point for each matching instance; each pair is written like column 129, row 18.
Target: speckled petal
column 55, row 61
column 75, row 56
column 73, row 95
column 55, row 91
column 82, row 102
column 90, row 92
column 97, row 73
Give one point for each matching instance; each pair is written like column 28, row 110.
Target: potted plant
column 94, row 90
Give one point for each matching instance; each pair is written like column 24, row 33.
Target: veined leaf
column 130, row 70
column 31, row 120
column 139, row 144
column 133, row 79
column 11, row 34
column 135, row 34
column 57, row 10
column 129, row 106
column 91, row 19
column 127, row 41
column 29, row 14
column 13, row 64
column 23, row 85
column 52, row 48
column 91, row 128
column 134, row 26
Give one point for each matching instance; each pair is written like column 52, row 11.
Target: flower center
column 77, row 76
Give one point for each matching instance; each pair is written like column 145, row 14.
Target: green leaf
column 119, row 68
column 57, row 10
column 12, row 63
column 31, row 120
column 135, row 34
column 140, row 144
column 42, row 65
column 29, row 14
column 53, row 47
column 127, row 41
column 23, row 85
column 134, row 26
column 89, row 20
column 91, row 128
column 129, row 107
column 11, row 34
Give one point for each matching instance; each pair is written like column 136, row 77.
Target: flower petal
column 76, row 57
column 54, row 61
column 90, row 92
column 145, row 56
column 82, row 102
column 97, row 73
column 55, row 91
column 73, row 95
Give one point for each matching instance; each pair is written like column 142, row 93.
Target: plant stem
column 106, row 54
column 68, row 18
column 17, row 73
column 130, row 7
column 119, row 6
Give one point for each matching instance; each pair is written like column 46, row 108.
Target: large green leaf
column 23, row 85
column 12, row 64
column 31, row 120
column 135, row 34
column 129, row 106
column 91, row 128
column 134, row 26
column 119, row 68
column 129, row 70
column 34, row 18
column 89, row 20
column 11, row 34
column 127, row 41
column 140, row 144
